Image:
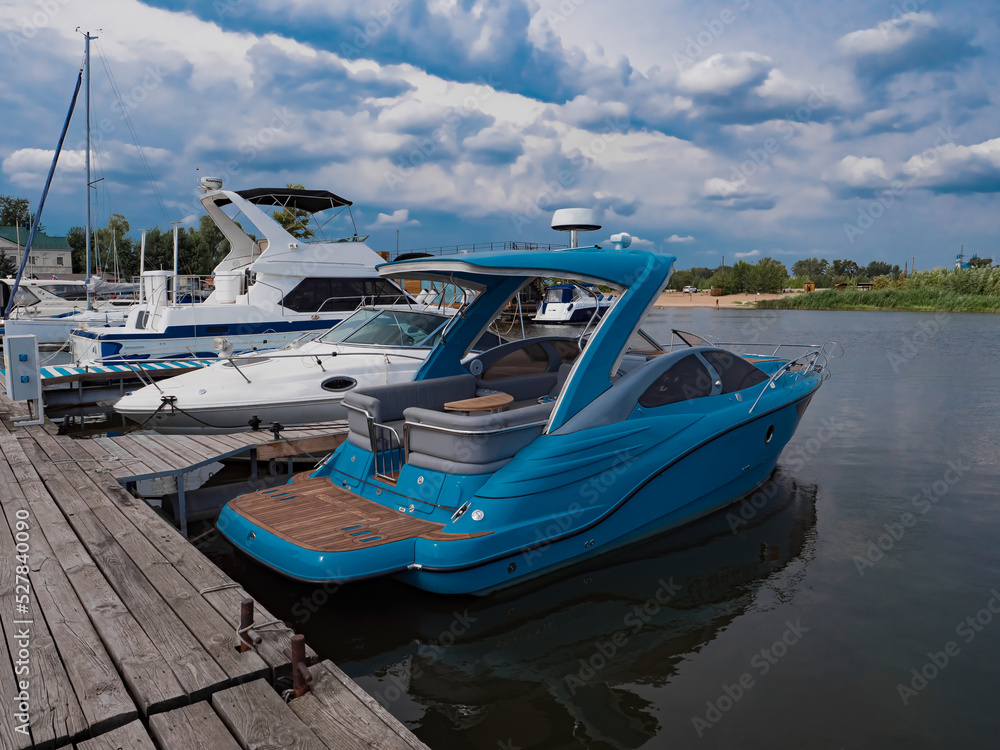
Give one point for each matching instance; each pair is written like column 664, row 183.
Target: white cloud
column 398, row 218
column 721, row 73
column 678, row 238
column 888, row 36
column 751, row 254
column 957, row 169
column 858, row 172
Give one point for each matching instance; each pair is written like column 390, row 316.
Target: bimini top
column 618, row 268
column 497, row 277
column 298, row 198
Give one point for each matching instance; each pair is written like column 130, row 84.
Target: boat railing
column 817, row 359
column 483, row 247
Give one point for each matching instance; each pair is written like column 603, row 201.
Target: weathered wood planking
column 214, row 632
column 260, row 720
column 102, row 696
column 336, row 708
column 55, row 716
column 192, row 665
column 147, row 675
column 129, row 737
column 202, row 574
column 300, row 446
column 195, row 727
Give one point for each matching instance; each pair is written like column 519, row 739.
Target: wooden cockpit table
column 493, row 402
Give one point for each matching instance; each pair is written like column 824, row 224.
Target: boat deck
column 318, row 515
column 128, row 632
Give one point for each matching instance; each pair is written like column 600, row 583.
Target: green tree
column 724, row 281
column 8, row 265
column 208, row 246
column 878, row 268
column 16, row 212
column 77, row 240
column 977, row 262
column 812, row 269
column 295, row 220
column 680, row 279
column 847, row 268
column 771, row 276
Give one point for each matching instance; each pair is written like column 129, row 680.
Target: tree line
column 770, row 275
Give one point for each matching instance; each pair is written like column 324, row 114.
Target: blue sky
column 741, row 128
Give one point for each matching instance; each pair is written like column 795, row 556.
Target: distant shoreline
column 856, row 300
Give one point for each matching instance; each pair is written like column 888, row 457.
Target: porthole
column 340, row 383
column 770, row 434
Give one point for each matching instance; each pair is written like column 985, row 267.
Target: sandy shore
column 704, row 299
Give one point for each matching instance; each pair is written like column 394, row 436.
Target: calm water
column 790, row 622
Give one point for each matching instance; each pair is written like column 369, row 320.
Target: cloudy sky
column 850, row 129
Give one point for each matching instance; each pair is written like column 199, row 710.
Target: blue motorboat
column 488, row 470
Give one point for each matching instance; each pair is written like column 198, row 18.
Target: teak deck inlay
column 318, row 515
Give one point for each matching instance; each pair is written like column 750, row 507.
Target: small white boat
column 39, row 312
column 297, row 385
column 573, row 303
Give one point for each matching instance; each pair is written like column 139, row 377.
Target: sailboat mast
column 86, row 64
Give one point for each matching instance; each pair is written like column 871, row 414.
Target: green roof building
column 50, row 256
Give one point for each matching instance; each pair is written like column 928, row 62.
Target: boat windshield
column 387, row 328
column 25, row 298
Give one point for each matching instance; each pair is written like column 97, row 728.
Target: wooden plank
column 340, row 719
column 195, row 727
column 319, row 443
column 149, row 679
column 126, row 461
column 200, row 572
column 326, row 674
column 137, row 449
column 56, row 715
column 217, row 445
column 259, row 719
column 103, row 697
column 167, row 448
column 194, row 668
column 129, row 737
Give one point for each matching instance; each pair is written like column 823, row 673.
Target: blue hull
column 610, row 505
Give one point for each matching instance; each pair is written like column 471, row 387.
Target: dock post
column 291, row 467
column 253, row 462
column 182, row 505
column 248, row 636
column 300, row 672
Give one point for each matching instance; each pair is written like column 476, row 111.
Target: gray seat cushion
column 475, row 444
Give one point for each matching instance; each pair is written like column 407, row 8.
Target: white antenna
column 575, row 220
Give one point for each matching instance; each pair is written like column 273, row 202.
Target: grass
column 913, row 300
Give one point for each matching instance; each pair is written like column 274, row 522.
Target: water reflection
column 571, row 655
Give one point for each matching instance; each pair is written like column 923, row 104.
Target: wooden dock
column 120, row 634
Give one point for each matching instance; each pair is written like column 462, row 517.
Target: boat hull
column 598, row 512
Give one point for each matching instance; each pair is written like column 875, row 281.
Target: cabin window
column 568, row 351
column 734, row 371
column 140, row 320
column 559, row 295
column 686, row 379
column 340, row 295
column 528, row 360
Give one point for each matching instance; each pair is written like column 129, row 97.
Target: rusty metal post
column 248, row 636
column 300, row 672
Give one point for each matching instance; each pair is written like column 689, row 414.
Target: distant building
column 50, row 256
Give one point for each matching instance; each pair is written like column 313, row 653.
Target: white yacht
column 296, row 385
column 268, row 291
column 573, row 303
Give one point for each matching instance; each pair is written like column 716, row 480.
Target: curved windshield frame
column 387, row 328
